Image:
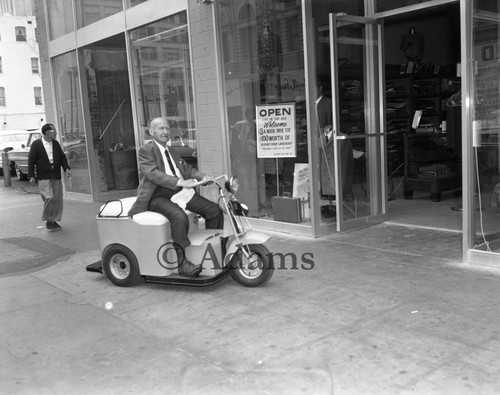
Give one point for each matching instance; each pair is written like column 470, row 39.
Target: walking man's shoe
column 50, row 226
column 56, row 226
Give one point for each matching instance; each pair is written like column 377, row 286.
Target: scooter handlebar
column 205, row 181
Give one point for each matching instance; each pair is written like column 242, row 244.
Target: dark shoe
column 50, row 226
column 187, row 269
column 56, row 226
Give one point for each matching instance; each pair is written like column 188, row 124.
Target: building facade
column 21, row 95
column 324, row 109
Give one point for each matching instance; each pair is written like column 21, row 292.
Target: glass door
column 357, row 136
column 481, row 96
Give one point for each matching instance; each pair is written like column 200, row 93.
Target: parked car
column 75, row 150
column 18, row 157
column 185, row 151
column 16, row 140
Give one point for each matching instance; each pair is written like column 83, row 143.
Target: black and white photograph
column 249, row 197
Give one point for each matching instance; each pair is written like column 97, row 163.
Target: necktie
column 170, row 164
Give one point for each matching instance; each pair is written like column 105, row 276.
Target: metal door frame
column 378, row 167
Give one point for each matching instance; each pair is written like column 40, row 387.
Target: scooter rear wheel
column 254, row 270
column 120, row 265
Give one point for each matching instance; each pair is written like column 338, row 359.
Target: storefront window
column 322, row 8
column 70, row 121
column 387, row 5
column 162, row 74
column 264, row 68
column 110, row 111
column 60, row 13
column 486, row 121
column 90, row 11
column 131, row 3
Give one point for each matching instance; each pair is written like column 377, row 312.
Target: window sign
column 301, row 181
column 276, row 131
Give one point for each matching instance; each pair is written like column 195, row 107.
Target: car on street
column 185, row 150
column 16, row 140
column 18, row 157
column 75, row 150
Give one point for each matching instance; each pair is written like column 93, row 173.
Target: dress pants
column 51, row 192
column 179, row 223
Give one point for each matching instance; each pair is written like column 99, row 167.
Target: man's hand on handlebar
column 207, row 180
column 191, row 183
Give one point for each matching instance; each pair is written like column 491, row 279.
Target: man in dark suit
column 167, row 187
column 45, row 159
column 325, row 120
column 246, row 166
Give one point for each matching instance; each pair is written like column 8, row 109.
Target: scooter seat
column 149, row 218
column 120, row 208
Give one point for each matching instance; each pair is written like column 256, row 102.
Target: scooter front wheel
column 120, row 265
column 255, row 269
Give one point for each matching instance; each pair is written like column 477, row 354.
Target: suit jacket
column 152, row 174
column 324, row 111
column 327, row 155
column 243, row 141
column 39, row 159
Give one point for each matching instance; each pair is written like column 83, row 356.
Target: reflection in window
column 149, row 53
column 256, row 41
column 110, row 110
column 162, row 68
column 131, row 3
column 352, row 7
column 293, row 30
column 20, row 33
column 60, row 14
column 38, row 95
column 70, row 119
column 90, row 11
column 386, row 5
column 485, row 109
column 2, row 96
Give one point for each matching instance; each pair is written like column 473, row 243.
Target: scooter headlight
column 233, row 185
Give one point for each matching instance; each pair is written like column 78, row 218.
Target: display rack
column 427, row 90
column 429, row 165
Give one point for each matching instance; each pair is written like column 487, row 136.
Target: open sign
column 275, row 111
column 276, row 136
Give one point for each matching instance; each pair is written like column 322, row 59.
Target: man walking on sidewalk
column 45, row 159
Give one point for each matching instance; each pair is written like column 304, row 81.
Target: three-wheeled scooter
column 140, row 246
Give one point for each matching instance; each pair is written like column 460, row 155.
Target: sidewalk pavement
column 384, row 310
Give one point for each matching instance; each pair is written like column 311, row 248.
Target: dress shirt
column 182, row 197
column 164, row 152
column 48, row 148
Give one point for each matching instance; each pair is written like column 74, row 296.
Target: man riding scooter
column 167, row 187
